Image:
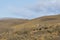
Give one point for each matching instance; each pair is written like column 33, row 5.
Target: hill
column 42, row 28
column 7, row 23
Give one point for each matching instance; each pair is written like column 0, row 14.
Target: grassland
column 41, row 28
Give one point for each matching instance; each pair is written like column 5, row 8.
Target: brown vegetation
column 43, row 28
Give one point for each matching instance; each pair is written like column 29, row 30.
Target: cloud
column 40, row 8
column 47, row 6
column 23, row 12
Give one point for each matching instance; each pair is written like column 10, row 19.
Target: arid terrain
column 41, row 28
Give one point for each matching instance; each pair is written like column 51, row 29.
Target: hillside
column 42, row 28
column 11, row 21
column 7, row 23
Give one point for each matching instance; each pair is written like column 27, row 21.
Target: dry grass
column 44, row 28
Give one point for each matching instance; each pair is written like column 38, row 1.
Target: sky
column 28, row 8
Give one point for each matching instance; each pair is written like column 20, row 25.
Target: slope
column 7, row 23
column 42, row 28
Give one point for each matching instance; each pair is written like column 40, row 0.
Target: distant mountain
column 41, row 28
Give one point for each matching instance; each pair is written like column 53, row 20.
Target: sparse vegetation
column 31, row 29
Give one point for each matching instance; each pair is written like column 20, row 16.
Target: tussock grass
column 43, row 28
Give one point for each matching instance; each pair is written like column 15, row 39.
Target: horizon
column 28, row 18
column 28, row 9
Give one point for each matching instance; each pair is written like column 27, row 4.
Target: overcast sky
column 28, row 8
